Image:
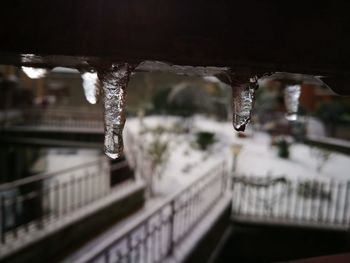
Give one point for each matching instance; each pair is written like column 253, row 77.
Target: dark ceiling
column 310, row 37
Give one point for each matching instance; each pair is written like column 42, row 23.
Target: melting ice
column 90, row 85
column 34, row 73
column 243, row 100
column 114, row 81
column 291, row 100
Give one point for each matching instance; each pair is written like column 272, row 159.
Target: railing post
column 39, row 205
column 130, row 250
column 15, row 215
column 337, row 203
column 74, row 195
column 171, row 228
column 56, row 203
column 346, row 204
column 2, row 219
column 227, row 177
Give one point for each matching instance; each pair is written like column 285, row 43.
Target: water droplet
column 243, row 101
column 34, row 73
column 291, row 100
column 90, row 85
column 291, row 116
column 114, row 80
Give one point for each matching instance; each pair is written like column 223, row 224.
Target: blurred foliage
column 159, row 100
column 283, row 149
column 162, row 106
column 157, row 153
column 205, row 139
column 330, row 111
column 187, row 98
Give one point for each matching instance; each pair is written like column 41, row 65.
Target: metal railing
column 64, row 118
column 157, row 236
column 31, row 206
column 313, row 202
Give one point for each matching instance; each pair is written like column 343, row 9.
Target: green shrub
column 204, row 139
column 283, row 149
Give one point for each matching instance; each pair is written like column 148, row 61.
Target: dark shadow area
column 256, row 243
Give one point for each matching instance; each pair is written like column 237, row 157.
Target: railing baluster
column 13, row 205
column 268, row 201
column 129, row 249
column 145, row 244
column 150, row 242
column 57, row 198
column 301, row 193
column 2, row 219
column 295, row 199
column 262, row 198
column 334, row 201
column 251, row 197
column 73, row 195
column 337, row 201
column 154, row 244
column 39, row 203
column 64, row 198
column 236, row 196
column 313, row 195
column 330, row 204
column 47, row 202
column 243, row 198
column 288, row 201
column 80, row 192
column 320, row 203
column 85, row 189
column 89, row 185
column 278, row 197
column 172, row 228
column 160, row 233
column 346, row 217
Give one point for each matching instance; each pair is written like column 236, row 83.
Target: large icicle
column 90, row 85
column 114, row 81
column 291, row 100
column 243, row 101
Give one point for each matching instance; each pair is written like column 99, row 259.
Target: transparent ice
column 243, row 100
column 114, row 81
column 34, row 73
column 90, row 85
column 291, row 100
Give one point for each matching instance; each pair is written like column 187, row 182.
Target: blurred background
column 281, row 189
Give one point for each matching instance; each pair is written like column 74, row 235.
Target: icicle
column 243, row 101
column 291, row 100
column 34, row 73
column 90, row 85
column 114, row 81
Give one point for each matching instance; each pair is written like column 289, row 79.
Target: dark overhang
column 260, row 35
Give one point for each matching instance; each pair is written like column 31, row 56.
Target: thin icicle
column 243, row 101
column 291, row 100
column 114, row 82
column 34, row 73
column 90, row 85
